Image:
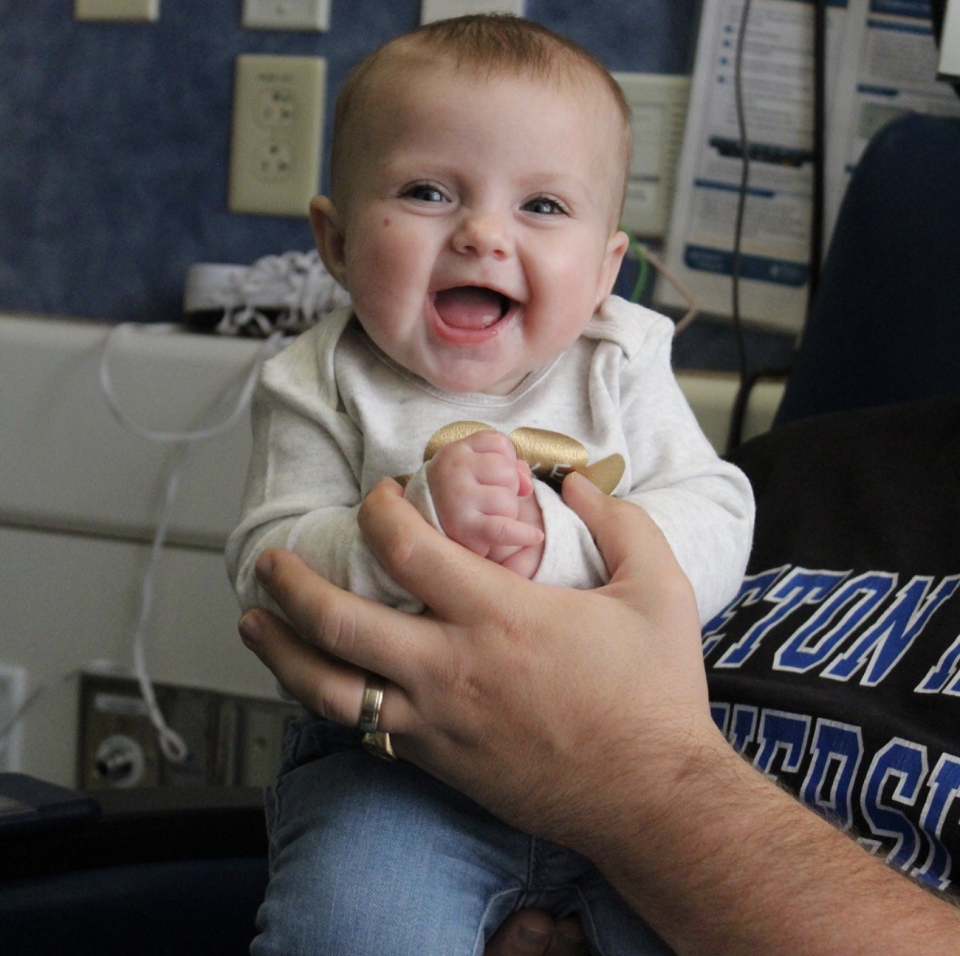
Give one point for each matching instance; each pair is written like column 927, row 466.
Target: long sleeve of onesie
column 304, row 480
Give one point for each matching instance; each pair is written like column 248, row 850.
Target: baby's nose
column 483, row 234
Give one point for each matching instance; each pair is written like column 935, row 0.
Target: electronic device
column 28, row 803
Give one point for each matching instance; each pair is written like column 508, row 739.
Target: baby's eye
column 425, row 192
column 543, row 206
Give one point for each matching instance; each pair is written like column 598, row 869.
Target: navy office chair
column 885, row 326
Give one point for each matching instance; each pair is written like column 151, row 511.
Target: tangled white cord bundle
column 295, row 288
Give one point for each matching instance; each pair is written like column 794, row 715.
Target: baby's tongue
column 469, row 307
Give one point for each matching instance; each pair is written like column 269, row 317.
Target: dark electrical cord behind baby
column 747, row 378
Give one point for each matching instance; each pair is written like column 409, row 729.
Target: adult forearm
column 735, row 865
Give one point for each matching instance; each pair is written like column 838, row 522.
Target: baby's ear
column 328, row 233
column 616, row 249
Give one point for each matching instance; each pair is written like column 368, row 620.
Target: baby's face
column 479, row 223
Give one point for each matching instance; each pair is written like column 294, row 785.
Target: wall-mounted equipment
column 949, row 65
column 234, row 741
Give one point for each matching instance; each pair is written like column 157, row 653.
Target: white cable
column 21, row 712
column 296, row 284
column 269, row 346
column 693, row 306
column 171, row 743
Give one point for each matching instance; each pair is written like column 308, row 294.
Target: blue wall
column 114, row 138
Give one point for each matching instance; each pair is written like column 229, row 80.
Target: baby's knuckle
column 505, row 447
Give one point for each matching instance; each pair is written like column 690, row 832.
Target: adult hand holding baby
column 467, row 668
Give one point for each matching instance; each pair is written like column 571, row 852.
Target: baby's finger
column 525, row 478
column 499, row 532
column 491, row 442
column 496, row 470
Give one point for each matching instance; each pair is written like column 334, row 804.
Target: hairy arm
column 756, row 871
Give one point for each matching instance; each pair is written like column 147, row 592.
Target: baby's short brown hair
column 497, row 44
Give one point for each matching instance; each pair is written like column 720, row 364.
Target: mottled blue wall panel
column 114, row 138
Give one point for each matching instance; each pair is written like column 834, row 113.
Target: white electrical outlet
column 13, row 690
column 431, row 10
column 277, row 132
column 286, row 14
column 659, row 107
column 116, row 10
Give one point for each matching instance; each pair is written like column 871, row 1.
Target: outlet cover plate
column 277, row 132
column 116, row 10
column 286, row 15
column 431, row 10
column 13, row 690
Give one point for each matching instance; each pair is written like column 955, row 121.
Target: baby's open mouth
column 471, row 307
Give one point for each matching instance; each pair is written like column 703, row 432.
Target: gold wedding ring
column 374, row 741
column 370, row 705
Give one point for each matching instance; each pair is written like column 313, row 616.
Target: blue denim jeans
column 370, row 858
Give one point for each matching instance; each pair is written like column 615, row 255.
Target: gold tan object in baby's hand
column 550, row 455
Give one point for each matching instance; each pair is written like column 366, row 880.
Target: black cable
column 819, row 147
column 733, row 438
column 747, row 380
